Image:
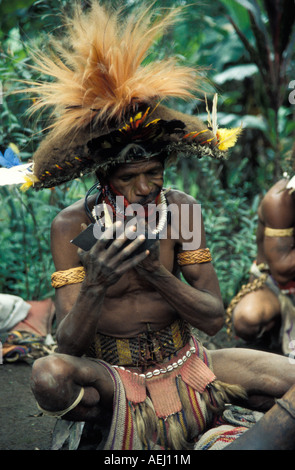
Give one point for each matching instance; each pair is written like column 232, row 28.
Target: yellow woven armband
column 278, row 232
column 194, row 257
column 69, row 276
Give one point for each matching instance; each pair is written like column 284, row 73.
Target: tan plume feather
column 98, row 71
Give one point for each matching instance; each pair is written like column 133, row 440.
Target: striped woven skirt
column 168, row 384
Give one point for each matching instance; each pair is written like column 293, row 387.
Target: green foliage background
column 247, row 47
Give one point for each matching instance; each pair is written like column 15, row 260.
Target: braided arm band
column 278, row 232
column 194, row 257
column 67, row 277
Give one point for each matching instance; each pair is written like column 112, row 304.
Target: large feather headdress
column 106, row 96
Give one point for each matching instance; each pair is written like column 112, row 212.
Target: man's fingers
column 120, row 241
column 131, row 262
column 126, row 248
column 109, row 234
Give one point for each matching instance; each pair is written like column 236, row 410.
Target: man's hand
column 104, row 264
column 152, row 262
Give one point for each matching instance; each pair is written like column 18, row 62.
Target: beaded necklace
column 109, row 199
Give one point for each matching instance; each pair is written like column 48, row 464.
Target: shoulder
column 184, row 205
column 186, row 220
column 177, row 197
column 69, row 219
column 278, row 206
column 65, row 227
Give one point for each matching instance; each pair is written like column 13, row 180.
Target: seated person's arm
column 78, row 306
column 280, row 250
column 76, row 311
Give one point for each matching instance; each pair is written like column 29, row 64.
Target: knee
column 48, row 376
column 246, row 321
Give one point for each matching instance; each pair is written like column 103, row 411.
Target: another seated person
column 268, row 303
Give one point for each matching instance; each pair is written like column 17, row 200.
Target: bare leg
column 57, row 381
column 274, row 431
column 257, row 371
column 265, row 375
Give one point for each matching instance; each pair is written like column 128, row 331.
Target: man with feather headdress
column 125, row 348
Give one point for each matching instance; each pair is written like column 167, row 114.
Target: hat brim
column 159, row 130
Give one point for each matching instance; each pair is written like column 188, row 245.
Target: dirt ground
column 21, row 426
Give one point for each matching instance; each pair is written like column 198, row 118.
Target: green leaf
column 238, row 13
column 12, row 5
column 253, row 8
column 238, row 72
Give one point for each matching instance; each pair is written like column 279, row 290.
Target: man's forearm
column 201, row 309
column 77, row 330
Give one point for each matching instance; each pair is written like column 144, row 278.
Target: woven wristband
column 67, row 277
column 202, row 255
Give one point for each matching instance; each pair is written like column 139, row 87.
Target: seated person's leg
column 274, row 431
column 61, row 382
column 259, row 372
